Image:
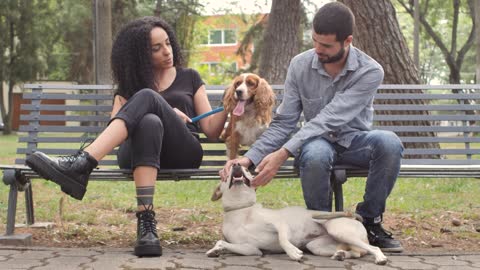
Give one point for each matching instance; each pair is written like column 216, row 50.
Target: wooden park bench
column 439, row 129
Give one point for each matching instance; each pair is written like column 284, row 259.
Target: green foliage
column 20, row 40
column 220, row 74
column 124, row 11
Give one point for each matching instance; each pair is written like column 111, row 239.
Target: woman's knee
column 145, row 93
column 150, row 122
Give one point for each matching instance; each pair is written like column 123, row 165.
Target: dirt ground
column 448, row 232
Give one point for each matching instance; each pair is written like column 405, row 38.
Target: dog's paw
column 295, row 253
column 212, row 253
column 382, row 260
column 339, row 255
column 216, row 250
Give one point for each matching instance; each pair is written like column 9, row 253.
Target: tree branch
column 471, row 37
column 453, row 45
column 436, row 38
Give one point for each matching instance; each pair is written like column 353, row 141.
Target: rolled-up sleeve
column 284, row 122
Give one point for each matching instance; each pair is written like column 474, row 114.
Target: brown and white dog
column 249, row 100
column 250, row 229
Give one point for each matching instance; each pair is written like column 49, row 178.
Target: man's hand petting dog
column 269, row 166
column 266, row 169
column 225, row 172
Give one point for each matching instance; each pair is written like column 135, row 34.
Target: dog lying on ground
column 249, row 229
column 249, row 100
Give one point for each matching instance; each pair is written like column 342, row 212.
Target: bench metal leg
column 12, row 209
column 10, row 238
column 29, row 205
column 337, row 179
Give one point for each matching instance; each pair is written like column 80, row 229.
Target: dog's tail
column 322, row 216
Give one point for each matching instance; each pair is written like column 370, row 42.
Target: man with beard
column 334, row 85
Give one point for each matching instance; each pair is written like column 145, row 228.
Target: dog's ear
column 217, row 193
column 228, row 98
column 264, row 99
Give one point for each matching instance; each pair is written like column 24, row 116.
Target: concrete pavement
column 107, row 258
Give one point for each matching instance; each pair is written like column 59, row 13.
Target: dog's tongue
column 240, row 108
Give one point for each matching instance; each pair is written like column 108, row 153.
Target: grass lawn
column 419, row 211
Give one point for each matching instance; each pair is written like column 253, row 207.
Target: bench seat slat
column 428, row 87
column 418, row 107
column 441, row 139
column 441, row 162
column 423, row 117
column 426, row 96
column 93, row 129
column 425, row 151
column 208, row 143
column 430, row 128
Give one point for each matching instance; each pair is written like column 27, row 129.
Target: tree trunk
column 378, row 33
column 280, row 40
column 477, row 34
column 3, row 118
column 103, row 40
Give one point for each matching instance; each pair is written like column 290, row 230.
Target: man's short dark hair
column 334, row 18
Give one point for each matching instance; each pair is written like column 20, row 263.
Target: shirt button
column 331, row 135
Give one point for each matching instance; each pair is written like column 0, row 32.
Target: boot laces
column 72, row 158
column 147, row 221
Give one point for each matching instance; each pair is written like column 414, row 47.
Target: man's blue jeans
column 379, row 151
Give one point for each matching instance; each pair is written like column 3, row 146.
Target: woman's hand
column 182, row 116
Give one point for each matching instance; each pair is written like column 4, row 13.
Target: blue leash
column 201, row 116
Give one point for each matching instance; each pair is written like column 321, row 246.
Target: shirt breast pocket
column 312, row 107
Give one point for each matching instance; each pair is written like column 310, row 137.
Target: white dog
column 249, row 229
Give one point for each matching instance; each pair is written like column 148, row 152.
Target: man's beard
column 334, row 58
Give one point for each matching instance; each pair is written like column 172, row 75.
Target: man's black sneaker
column 148, row 243
column 379, row 237
column 70, row 172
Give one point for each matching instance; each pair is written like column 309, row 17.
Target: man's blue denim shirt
column 336, row 109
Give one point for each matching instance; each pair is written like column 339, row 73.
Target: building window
column 229, row 37
column 215, row 37
column 221, row 37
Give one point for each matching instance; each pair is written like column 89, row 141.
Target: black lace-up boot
column 379, row 237
column 148, row 243
column 70, row 172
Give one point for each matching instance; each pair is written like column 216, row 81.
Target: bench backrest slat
column 62, row 108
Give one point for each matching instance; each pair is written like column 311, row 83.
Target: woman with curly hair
column 151, row 121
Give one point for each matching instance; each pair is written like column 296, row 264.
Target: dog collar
column 228, row 209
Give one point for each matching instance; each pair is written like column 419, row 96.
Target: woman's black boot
column 148, row 243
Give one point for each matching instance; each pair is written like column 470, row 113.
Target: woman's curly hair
column 131, row 58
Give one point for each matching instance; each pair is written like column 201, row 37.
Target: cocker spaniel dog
column 249, row 100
